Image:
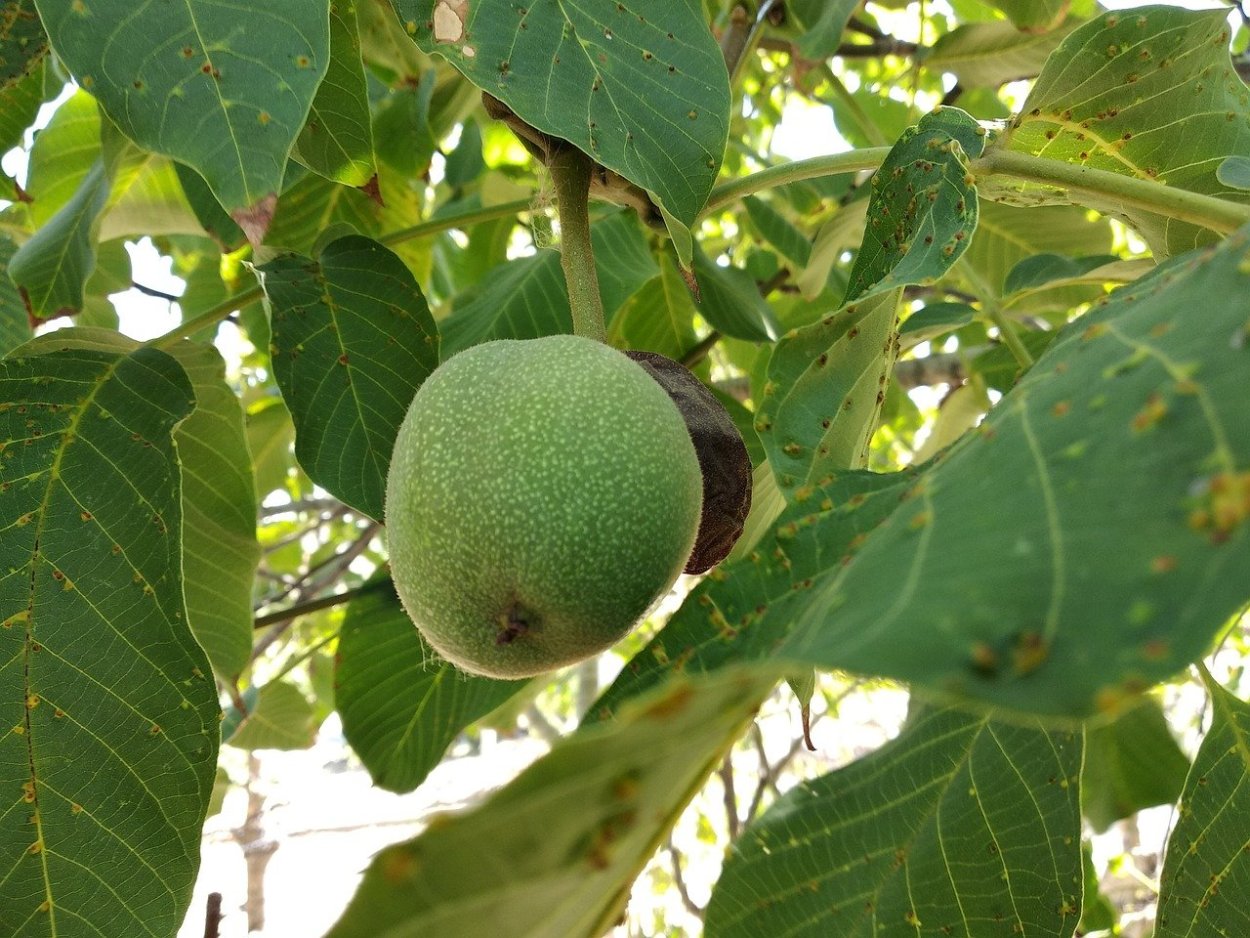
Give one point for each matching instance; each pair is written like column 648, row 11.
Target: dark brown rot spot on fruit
column 723, row 459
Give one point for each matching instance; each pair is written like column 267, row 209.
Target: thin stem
column 571, row 170
column 314, row 605
column 726, row 773
column 1108, row 188
column 152, row 291
column 701, row 349
column 428, row 227
column 679, row 880
column 456, row 220
column 207, row 318
column 1007, row 332
column 212, row 916
column 853, row 161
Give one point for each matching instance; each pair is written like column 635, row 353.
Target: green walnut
column 542, row 496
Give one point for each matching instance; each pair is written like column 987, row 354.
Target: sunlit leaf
column 1147, row 92
column 337, row 140
column 575, row 828
column 990, row 54
column 279, row 717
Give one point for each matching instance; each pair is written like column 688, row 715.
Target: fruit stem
column 571, row 170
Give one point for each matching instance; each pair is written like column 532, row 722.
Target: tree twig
column 679, row 880
column 212, row 916
column 726, row 773
column 152, row 291
column 313, row 605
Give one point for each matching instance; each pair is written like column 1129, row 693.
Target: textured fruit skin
column 543, row 494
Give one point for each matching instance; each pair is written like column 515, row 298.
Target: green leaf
column 1041, row 269
column 219, row 549
column 315, row 205
column 826, row 384
column 1149, row 93
column 52, row 267
column 1131, row 763
column 640, row 86
column 1000, row 369
column 659, row 317
column 1007, row 236
column 112, row 713
column 522, row 299
column 214, row 219
column 1234, row 172
column 401, row 704
column 555, row 852
column 960, row 825
column 923, row 210
column 225, row 96
column 1034, row 15
column 14, row 323
column 465, row 163
column 23, row 43
column 270, row 434
column 219, row 546
column 352, row 341
column 62, row 155
column 1127, row 423
column 280, row 717
column 405, row 139
column 1206, row 870
column 731, row 303
column 624, row 261
column 990, row 54
column 933, row 320
column 824, row 21
column 19, row 103
column 146, row 199
column 337, row 139
column 777, row 230
column 1097, row 911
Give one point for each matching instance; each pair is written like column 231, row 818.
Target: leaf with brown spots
column 1150, row 93
column 576, row 827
